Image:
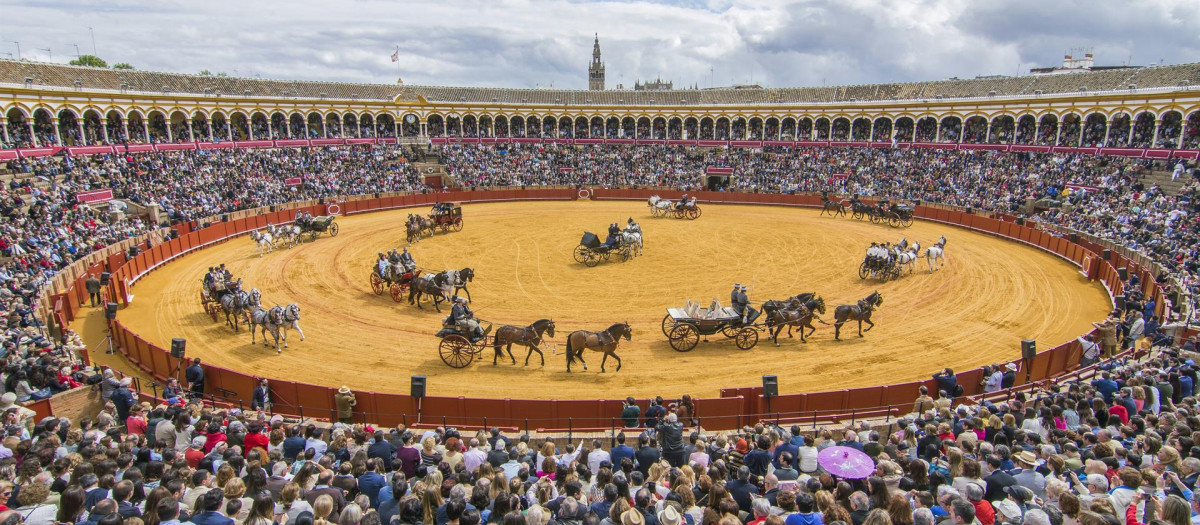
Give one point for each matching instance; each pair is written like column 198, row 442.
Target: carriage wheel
column 746, row 338
column 457, row 225
column 684, row 337
column 679, row 213
column 668, row 322
column 856, row 215
column 894, row 220
column 581, row 253
column 906, row 221
column 397, row 290
column 376, row 284
column 729, row 331
column 333, row 229
column 591, row 259
column 863, row 270
column 693, row 213
column 456, row 351
column 875, row 218
column 212, row 310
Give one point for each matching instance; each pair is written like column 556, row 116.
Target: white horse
column 936, row 254
column 659, row 206
column 288, row 233
column 908, row 258
column 633, row 239
column 264, row 241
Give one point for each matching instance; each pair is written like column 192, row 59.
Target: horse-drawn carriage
column 446, row 216
column 315, row 226
column 660, row 207
column 458, row 348
column 211, row 293
column 395, row 282
column 685, row 326
column 895, row 215
column 591, row 251
column 884, row 268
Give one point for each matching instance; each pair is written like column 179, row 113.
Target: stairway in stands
column 1162, row 177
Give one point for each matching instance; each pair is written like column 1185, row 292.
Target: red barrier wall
column 735, row 407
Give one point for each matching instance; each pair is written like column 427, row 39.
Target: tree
column 89, row 61
column 122, row 65
column 205, row 73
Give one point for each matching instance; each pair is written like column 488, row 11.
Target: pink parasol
column 846, row 462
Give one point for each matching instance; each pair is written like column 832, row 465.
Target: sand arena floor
column 974, row 311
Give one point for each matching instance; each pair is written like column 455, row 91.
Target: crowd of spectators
column 1120, row 447
column 1076, row 452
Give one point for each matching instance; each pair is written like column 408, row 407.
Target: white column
column 32, row 135
column 4, row 128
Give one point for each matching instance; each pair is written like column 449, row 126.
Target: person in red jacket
column 983, row 510
column 255, row 438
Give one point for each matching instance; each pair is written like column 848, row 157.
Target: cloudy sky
column 531, row 43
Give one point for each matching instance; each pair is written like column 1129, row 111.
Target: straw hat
column 669, row 516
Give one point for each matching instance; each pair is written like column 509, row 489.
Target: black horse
column 860, row 312
column 434, row 286
column 800, row 317
column 831, row 207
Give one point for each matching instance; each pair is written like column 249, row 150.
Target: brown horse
column 528, row 336
column 796, row 317
column 833, row 208
column 860, row 312
column 604, row 341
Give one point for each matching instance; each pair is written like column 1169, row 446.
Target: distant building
column 1071, row 64
column 657, row 85
column 596, row 69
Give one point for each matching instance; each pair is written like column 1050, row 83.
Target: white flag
column 396, row 55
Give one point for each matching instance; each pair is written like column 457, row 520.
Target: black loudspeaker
column 1020, row 221
column 1120, row 300
column 1106, row 255
column 418, row 387
column 1028, row 348
column 104, row 277
column 110, row 311
column 1124, row 273
column 224, row 217
column 770, row 386
column 177, row 346
column 1074, row 238
column 970, row 210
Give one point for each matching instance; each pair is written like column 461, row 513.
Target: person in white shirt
column 597, row 456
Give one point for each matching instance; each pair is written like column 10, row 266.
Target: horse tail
column 570, row 353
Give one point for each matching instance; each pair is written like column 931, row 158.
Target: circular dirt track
column 990, row 294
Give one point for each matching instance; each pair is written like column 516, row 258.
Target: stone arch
column 1026, row 132
column 68, row 127
column 723, row 129
column 926, row 129
column 905, row 126
column 1191, row 131
column 1095, row 126
column 219, row 123
column 385, row 125
column 1001, row 129
column 93, row 127
column 787, row 128
column 114, row 122
column 136, row 122
column 822, row 128
column 675, row 128
column 201, row 128
column 579, row 127
column 350, row 125
column 658, row 128
column 950, row 128
column 708, row 128
column 1072, row 127
column 757, row 128
column 860, row 129
column 435, row 125
column 1047, row 131
column 1169, row 129
column 737, row 128
column 881, row 129
column 1120, row 124
column 839, row 129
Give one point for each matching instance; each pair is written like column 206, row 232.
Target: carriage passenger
column 464, row 319
column 407, row 262
column 381, row 265
column 614, row 236
column 683, row 201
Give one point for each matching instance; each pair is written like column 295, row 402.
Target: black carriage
column 894, row 215
column 860, row 210
column 315, row 226
column 884, row 269
column 458, row 349
column 690, row 211
column 396, row 285
column 684, row 328
column 446, row 216
column 592, row 252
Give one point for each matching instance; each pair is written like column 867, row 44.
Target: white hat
column 1010, row 366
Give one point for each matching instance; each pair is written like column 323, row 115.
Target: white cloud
column 523, row 43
